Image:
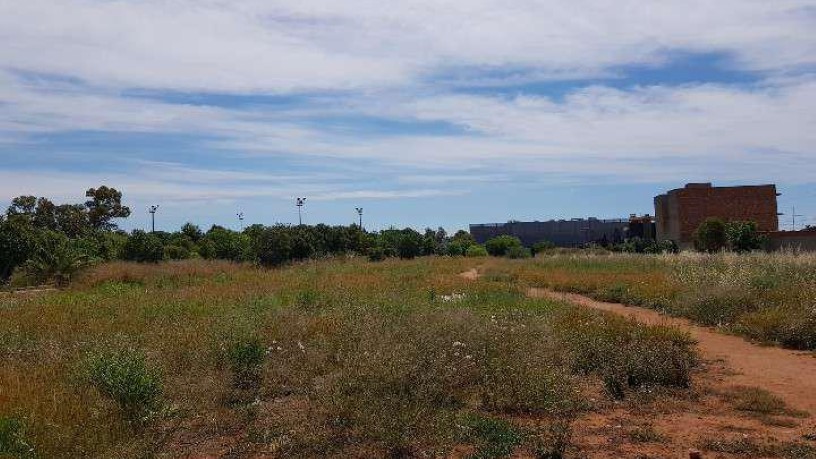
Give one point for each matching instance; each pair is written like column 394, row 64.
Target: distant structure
column 679, row 212
column 563, row 233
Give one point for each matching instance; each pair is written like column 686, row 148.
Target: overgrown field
column 766, row 297
column 340, row 358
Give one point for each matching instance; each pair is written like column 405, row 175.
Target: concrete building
column 679, row 212
column 563, row 233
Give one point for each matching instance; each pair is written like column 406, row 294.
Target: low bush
column 493, row 438
column 13, row 441
column 476, row 251
column 246, row 358
column 125, row 377
column 499, row 246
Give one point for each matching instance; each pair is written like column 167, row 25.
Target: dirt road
column 789, row 374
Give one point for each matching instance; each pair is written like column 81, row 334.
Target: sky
column 424, row 113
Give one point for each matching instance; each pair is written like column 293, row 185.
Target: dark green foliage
column 542, row 246
column 710, row 236
column 476, row 251
column 376, row 254
column 225, row 244
column 494, row 438
column 246, row 358
column 410, row 244
column 13, row 442
column 273, row 246
column 743, row 236
column 104, row 204
column 126, row 378
column 143, row 247
column 17, row 244
column 55, row 258
column 499, row 246
column 517, row 252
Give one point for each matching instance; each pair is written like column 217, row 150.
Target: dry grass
column 333, row 358
column 766, row 297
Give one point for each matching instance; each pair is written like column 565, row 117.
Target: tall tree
column 104, row 205
column 22, row 205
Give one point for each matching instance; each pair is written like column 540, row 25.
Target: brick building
column 679, row 212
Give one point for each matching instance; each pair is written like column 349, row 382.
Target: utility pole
column 299, row 202
column 241, row 220
column 793, row 218
column 360, row 213
column 152, row 211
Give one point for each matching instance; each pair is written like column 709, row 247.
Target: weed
column 125, row 377
column 494, row 438
column 645, row 434
column 13, row 440
column 246, row 358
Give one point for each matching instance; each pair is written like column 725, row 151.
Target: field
column 769, row 298
column 347, row 358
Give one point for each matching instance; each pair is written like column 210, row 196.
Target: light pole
column 299, row 203
column 241, row 220
column 360, row 213
column 152, row 211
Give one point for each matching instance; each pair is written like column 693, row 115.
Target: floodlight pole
column 299, row 202
column 152, row 211
column 360, row 213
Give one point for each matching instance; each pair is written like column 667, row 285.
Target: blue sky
column 424, row 113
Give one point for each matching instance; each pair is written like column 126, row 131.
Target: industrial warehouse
column 677, row 215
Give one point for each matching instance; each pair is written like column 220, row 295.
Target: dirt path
column 789, row 374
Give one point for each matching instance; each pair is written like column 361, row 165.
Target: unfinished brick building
column 679, row 212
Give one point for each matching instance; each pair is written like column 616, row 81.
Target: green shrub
column 143, row 247
column 246, row 358
column 541, row 247
column 13, row 442
column 55, row 258
column 744, row 237
column 500, row 245
column 476, row 251
column 126, row 378
column 493, row 438
column 710, row 236
column 376, row 254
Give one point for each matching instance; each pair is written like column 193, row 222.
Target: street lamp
column 299, row 202
column 152, row 211
column 360, row 213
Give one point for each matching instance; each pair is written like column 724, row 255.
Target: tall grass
column 766, row 297
column 333, row 358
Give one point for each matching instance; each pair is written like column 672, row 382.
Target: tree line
column 43, row 242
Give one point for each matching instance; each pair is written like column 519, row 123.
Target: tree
column 23, row 205
column 710, row 236
column 143, row 247
column 273, row 246
column 17, row 243
column 192, row 231
column 72, row 219
column 743, row 236
column 55, row 258
column 409, row 244
column 464, row 238
column 104, row 205
column 500, row 245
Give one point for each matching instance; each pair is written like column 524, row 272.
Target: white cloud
column 280, row 45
